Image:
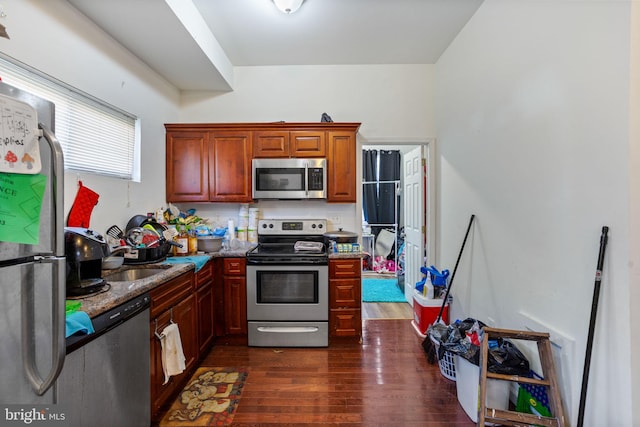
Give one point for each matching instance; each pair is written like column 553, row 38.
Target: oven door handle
column 288, row 329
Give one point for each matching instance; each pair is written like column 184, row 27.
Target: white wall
column 393, row 102
column 532, row 113
column 56, row 39
column 634, row 201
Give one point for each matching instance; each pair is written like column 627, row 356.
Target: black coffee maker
column 84, row 250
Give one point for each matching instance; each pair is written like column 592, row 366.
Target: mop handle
column 453, row 275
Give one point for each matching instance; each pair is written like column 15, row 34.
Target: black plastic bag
column 453, row 338
column 505, row 358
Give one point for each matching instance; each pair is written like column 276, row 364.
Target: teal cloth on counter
column 79, row 321
column 198, row 260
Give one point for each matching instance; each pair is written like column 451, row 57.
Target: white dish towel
column 172, row 355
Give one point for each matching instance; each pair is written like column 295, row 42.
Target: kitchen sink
column 132, row 273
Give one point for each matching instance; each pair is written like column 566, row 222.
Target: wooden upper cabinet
column 341, row 165
column 300, row 143
column 270, row 144
column 187, row 166
column 308, row 144
column 230, row 166
column 211, row 162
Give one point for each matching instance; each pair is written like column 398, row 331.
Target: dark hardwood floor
column 384, row 381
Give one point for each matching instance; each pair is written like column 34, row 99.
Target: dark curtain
column 378, row 200
column 389, row 171
column 370, row 191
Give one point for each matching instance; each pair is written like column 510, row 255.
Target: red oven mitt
column 80, row 213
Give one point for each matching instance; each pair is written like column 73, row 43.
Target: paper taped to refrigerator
column 20, row 204
column 19, row 149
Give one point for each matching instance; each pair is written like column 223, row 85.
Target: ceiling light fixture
column 288, row 6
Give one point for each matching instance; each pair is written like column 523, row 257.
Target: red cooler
column 425, row 312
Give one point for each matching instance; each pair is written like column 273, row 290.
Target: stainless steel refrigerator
column 32, row 282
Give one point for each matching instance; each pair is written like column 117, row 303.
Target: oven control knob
column 264, row 225
column 313, row 226
column 319, row 225
column 270, row 225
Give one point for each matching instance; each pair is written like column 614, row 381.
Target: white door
column 414, row 218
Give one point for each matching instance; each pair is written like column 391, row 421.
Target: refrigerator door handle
column 58, row 343
column 57, row 175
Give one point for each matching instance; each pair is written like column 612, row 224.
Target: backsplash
column 338, row 215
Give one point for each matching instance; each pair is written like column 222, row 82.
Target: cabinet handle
column 158, row 334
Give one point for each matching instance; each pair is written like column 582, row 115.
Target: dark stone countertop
column 347, row 255
column 121, row 292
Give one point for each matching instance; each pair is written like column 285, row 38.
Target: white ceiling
column 195, row 44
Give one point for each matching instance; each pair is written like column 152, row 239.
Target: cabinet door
column 341, row 164
column 187, row 166
column 230, row 166
column 204, row 298
column 270, row 144
column 159, row 392
column 184, row 314
column 308, row 144
column 205, row 305
column 235, row 305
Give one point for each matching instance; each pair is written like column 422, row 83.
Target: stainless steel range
column 288, row 285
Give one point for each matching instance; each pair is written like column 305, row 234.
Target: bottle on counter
column 160, row 216
column 183, row 239
column 193, row 242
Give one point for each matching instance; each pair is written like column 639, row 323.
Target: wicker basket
column 446, row 363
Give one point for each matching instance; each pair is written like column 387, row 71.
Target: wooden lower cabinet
column 172, row 302
column 206, row 307
column 235, row 296
column 345, row 298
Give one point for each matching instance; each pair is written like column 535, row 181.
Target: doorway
column 413, row 200
column 381, row 211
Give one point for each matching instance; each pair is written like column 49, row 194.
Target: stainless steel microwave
column 289, row 178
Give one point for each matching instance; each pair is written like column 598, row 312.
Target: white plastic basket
column 446, row 363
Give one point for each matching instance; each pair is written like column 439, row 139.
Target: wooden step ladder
column 549, row 381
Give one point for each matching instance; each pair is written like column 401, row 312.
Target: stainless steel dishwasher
column 105, row 379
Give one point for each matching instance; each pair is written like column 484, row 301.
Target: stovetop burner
column 279, row 238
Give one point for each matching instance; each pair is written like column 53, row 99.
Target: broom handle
column 453, row 275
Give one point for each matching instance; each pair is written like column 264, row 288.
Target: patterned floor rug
column 210, row 398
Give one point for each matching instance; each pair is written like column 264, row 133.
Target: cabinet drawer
column 345, row 293
column 340, row 268
column 205, row 275
column 234, row 266
column 345, row 323
column 170, row 294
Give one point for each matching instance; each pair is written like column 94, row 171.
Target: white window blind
column 95, row 136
